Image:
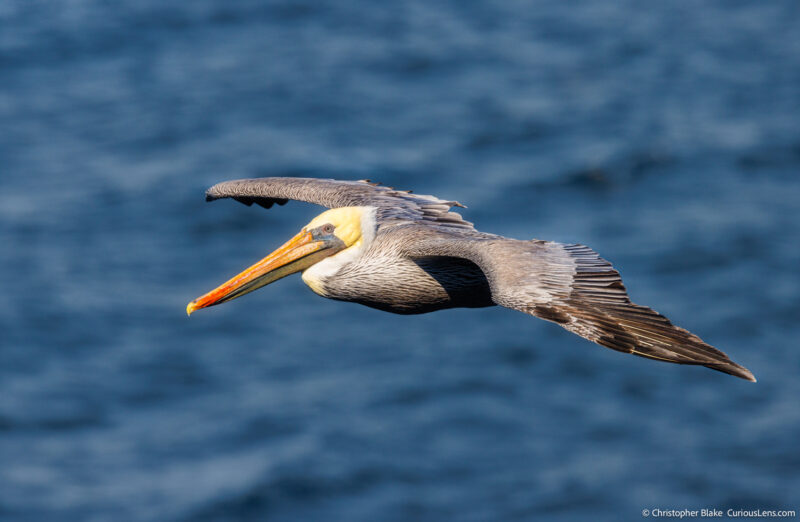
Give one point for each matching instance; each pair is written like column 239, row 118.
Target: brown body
column 414, row 286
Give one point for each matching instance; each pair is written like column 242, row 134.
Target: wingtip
column 735, row 370
column 211, row 193
column 744, row 373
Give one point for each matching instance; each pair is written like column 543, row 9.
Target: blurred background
column 664, row 135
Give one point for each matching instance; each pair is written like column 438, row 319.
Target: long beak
column 295, row 255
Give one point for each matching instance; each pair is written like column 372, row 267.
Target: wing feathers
column 393, row 206
column 571, row 285
column 599, row 309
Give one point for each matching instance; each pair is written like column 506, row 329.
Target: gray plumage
column 425, row 257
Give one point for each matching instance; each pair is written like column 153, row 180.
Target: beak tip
column 282, row 262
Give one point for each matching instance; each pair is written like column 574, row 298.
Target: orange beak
column 297, row 254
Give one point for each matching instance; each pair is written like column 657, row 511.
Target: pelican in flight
column 409, row 254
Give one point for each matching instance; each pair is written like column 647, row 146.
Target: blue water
column 665, row 135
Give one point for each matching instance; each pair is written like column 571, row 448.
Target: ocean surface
column 665, row 135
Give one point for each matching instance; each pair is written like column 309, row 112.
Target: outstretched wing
column 573, row 286
column 393, row 206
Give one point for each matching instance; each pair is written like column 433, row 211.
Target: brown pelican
column 409, row 254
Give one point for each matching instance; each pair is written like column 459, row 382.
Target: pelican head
column 336, row 233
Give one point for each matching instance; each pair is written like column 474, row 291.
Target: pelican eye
column 327, row 228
